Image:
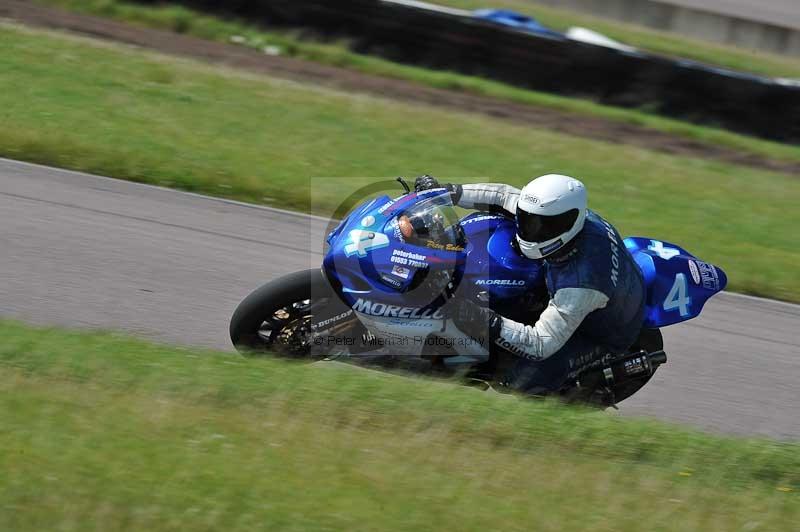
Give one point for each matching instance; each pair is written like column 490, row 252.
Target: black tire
column 650, row 340
column 261, row 306
column 593, row 385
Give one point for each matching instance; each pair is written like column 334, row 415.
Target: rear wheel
column 276, row 317
column 593, row 387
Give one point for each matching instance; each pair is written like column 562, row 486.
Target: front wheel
column 276, row 317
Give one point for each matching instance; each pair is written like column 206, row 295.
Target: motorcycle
column 380, row 298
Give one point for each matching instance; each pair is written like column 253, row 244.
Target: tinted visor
column 537, row 228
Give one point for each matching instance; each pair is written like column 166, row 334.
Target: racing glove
column 428, row 182
column 475, row 321
column 425, row 182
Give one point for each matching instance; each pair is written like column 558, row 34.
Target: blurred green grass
column 101, row 432
column 98, row 107
column 301, row 45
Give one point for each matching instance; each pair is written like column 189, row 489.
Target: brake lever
column 405, row 185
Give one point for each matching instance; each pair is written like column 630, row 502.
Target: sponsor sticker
column 694, row 271
column 330, row 321
column 481, row 219
column 501, row 282
column 545, row 250
column 708, row 275
column 516, row 349
column 373, row 308
column 612, row 237
column 401, row 271
column 388, row 279
column 530, row 199
column 444, row 247
column 406, row 258
column 385, row 206
column 396, row 230
column 430, row 191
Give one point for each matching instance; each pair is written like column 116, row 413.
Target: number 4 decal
column 678, row 297
column 658, row 248
column 362, row 241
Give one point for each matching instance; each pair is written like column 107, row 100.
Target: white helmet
column 550, row 212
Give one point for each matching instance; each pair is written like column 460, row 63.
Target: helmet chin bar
column 540, row 250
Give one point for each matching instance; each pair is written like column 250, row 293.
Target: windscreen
column 432, row 223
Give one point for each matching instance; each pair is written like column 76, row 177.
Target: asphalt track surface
column 92, row 252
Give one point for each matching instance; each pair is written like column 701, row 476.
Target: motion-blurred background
column 681, row 116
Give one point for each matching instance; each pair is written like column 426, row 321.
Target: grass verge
column 184, row 20
column 102, row 432
column 80, row 104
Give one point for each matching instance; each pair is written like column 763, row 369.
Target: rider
column 596, row 290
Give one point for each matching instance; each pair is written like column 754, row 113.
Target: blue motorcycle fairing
column 380, row 268
column 374, row 269
column 373, row 264
column 677, row 283
column 494, row 266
